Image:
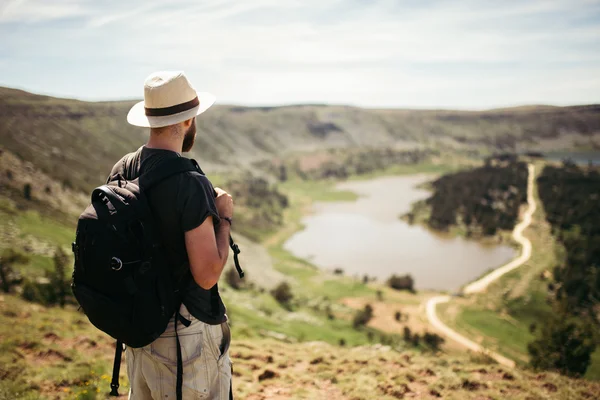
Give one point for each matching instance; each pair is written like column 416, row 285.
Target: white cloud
column 39, row 10
column 369, row 53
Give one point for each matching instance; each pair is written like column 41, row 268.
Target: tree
column 283, row 293
column 9, row 258
column 407, row 334
column 433, row 340
column 58, row 281
column 405, row 282
column 362, row 317
column 27, row 191
column 565, row 345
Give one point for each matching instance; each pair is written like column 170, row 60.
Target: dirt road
column 482, row 284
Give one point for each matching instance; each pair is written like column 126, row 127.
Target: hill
column 76, row 142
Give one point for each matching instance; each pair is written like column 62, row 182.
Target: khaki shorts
column 152, row 370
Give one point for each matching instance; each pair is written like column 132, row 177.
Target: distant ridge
column 79, row 141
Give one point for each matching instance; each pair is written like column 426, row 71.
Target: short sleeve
column 197, row 201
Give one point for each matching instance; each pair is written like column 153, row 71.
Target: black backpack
column 122, row 278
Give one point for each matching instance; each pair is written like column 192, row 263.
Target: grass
column 32, row 223
column 317, row 191
column 35, row 357
column 422, row 168
column 40, row 357
column 302, row 341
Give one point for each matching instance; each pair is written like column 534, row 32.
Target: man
column 195, row 226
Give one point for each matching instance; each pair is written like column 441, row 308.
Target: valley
column 310, row 344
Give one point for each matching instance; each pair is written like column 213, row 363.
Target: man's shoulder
column 123, row 163
column 195, row 179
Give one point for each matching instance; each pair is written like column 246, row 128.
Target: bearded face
column 189, row 138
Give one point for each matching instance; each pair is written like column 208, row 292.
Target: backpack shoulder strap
column 166, row 169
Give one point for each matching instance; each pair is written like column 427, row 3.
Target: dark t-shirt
column 181, row 202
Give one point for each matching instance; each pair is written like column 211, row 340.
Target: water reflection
column 367, row 237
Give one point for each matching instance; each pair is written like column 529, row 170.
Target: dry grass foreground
column 59, row 363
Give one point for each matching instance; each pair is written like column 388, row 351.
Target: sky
column 371, row 53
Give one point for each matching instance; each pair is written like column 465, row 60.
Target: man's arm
column 208, row 250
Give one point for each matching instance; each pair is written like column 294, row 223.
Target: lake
column 367, row 237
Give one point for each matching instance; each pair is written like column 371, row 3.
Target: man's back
column 180, row 203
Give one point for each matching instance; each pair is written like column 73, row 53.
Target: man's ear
column 187, row 123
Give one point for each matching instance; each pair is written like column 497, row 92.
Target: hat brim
column 137, row 115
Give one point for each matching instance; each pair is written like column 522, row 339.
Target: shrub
column 37, row 292
column 362, row 317
column 416, row 340
column 433, row 340
column 532, row 327
column 58, row 279
column 9, row 258
column 398, row 316
column 338, row 271
column 233, row 279
column 405, row 282
column 54, row 289
column 27, row 191
column 407, row 334
column 283, row 293
column 329, row 313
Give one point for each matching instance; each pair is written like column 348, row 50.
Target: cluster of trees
column 402, row 282
column 51, row 289
column 483, row 200
column 433, row 341
column 261, row 205
column 571, row 199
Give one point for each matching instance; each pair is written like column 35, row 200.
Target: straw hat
column 169, row 98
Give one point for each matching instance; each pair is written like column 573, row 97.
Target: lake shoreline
column 492, row 255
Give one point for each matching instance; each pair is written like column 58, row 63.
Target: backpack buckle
column 116, row 264
column 114, row 389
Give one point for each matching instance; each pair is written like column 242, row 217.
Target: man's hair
column 164, row 129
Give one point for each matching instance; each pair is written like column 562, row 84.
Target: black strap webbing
column 114, row 384
column 179, row 387
column 236, row 251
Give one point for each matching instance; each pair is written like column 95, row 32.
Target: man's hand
column 224, row 203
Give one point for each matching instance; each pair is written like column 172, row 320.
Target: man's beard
column 189, row 138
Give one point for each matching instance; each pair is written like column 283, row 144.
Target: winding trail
column 481, row 285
